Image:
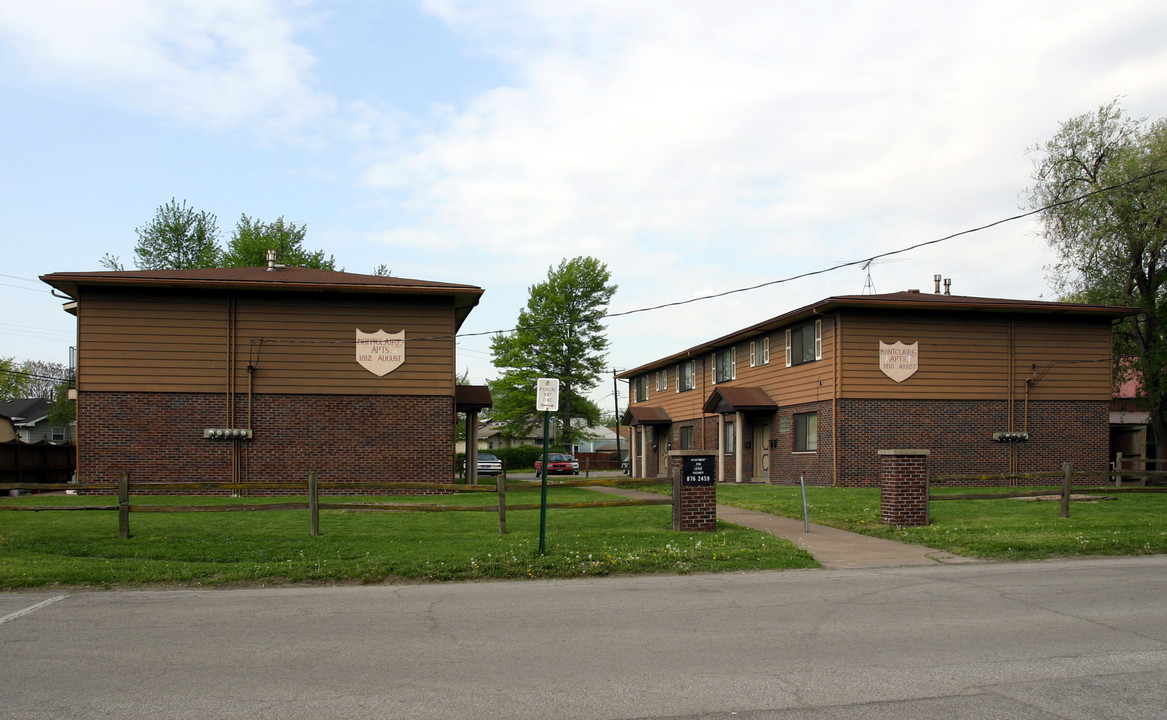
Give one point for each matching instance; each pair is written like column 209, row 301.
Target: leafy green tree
column 14, row 382
column 1112, row 245
column 560, row 334
column 177, row 238
column 252, row 238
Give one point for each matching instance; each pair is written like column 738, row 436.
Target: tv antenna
column 869, row 284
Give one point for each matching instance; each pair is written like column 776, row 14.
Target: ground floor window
column 687, row 437
column 806, row 432
column 729, row 437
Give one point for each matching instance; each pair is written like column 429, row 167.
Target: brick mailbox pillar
column 903, row 482
column 694, row 492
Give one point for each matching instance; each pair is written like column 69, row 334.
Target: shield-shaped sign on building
column 899, row 361
column 380, row 352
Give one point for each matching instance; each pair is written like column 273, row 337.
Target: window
column 806, row 432
column 687, row 437
column 58, row 434
column 685, row 376
column 804, row 343
column 662, row 380
column 641, row 388
column 729, row 437
column 759, row 352
column 724, row 365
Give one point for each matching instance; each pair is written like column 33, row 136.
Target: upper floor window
column 760, row 352
column 724, row 365
column 640, row 388
column 804, row 343
column 685, row 378
column 662, row 380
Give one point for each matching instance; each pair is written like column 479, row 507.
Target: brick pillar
column 903, row 481
column 694, row 491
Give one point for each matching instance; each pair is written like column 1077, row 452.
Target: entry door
column 762, row 451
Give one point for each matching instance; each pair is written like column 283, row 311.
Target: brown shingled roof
column 739, row 399
column 908, row 300
column 285, row 279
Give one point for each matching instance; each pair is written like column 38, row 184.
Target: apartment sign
column 380, row 352
column 899, row 361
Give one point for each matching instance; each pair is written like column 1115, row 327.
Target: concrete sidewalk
column 833, row 548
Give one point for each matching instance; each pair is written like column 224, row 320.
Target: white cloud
column 217, row 64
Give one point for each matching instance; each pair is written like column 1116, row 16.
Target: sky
column 693, row 147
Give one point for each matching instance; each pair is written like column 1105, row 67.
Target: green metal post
column 543, row 501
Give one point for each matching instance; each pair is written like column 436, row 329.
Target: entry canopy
column 739, row 399
column 638, row 415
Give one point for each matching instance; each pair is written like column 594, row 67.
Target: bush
column 523, row 456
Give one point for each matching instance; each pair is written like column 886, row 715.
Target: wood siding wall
column 181, row 342
column 982, row 357
column 961, row 357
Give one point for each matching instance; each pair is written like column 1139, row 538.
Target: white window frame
column 818, row 343
column 760, row 352
column 692, row 382
column 662, row 380
column 640, row 388
column 732, row 365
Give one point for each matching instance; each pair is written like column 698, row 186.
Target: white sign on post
column 547, row 395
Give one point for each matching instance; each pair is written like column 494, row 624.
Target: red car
column 557, row 464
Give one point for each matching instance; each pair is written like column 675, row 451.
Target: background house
column 30, row 419
column 987, row 385
column 265, row 374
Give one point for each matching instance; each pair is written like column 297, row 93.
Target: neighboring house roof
column 909, row 300
column 278, row 279
column 25, row 412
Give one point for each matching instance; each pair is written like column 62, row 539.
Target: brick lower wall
column 959, row 436
column 159, row 437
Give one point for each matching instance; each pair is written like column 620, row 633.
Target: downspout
column 1012, row 393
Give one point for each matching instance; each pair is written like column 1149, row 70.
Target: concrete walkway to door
column 833, row 548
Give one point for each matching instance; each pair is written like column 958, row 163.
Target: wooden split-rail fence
column 314, row 489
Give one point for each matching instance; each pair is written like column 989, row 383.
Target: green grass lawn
column 82, row 548
column 1006, row 529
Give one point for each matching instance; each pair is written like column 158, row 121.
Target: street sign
column 547, row 395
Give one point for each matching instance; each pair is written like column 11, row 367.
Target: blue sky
column 694, row 147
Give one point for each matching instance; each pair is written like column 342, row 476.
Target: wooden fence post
column 314, row 503
column 124, row 506
column 1067, row 470
column 502, row 503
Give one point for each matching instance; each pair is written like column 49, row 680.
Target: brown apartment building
column 986, row 385
column 264, row 374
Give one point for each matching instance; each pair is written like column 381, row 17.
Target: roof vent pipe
column 947, row 286
column 936, row 279
column 271, row 261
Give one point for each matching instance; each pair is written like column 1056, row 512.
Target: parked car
column 574, row 463
column 558, row 464
column 488, row 464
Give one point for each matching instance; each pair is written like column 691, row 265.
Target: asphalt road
column 1065, row 639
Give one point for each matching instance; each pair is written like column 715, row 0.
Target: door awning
column 639, row 415
column 739, row 399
